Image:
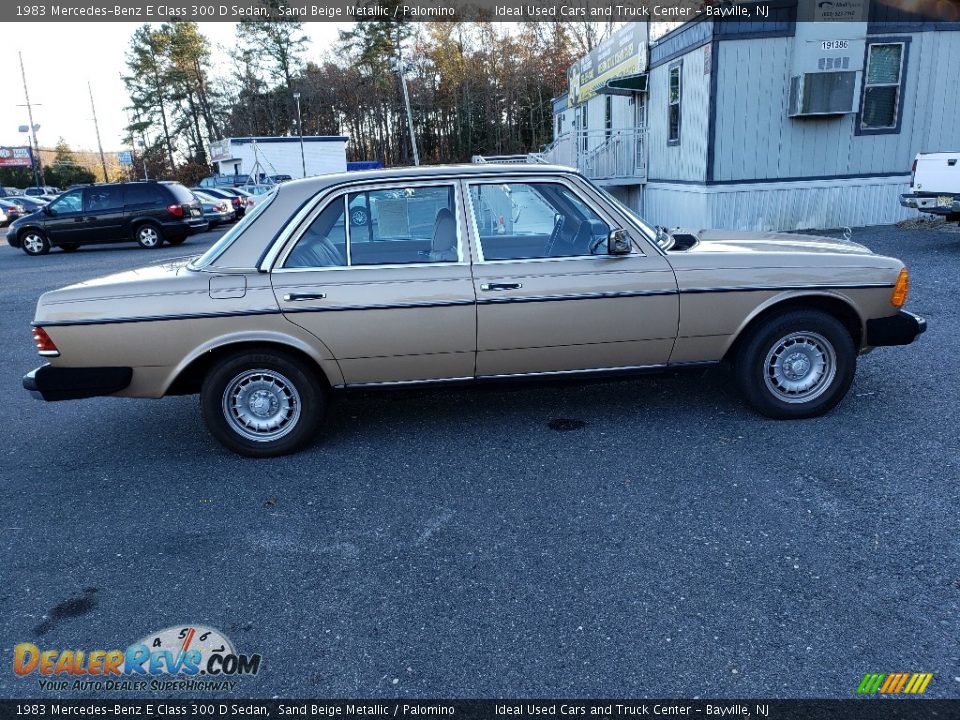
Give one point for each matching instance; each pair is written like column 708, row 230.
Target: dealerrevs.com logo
column 179, row 658
column 894, row 683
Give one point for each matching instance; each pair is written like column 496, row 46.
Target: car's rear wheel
column 34, row 242
column 262, row 404
column 149, row 236
column 69, row 247
column 796, row 365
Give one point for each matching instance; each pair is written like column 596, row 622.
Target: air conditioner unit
column 822, row 93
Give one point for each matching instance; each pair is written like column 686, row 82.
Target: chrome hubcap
column 359, row 218
column 800, row 367
column 33, row 243
column 261, row 405
column 148, row 236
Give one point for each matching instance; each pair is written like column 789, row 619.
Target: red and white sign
column 15, row 157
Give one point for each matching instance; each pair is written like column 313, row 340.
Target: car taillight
column 175, row 210
column 901, row 289
column 222, row 207
column 250, row 202
column 236, row 201
column 44, row 344
column 913, row 171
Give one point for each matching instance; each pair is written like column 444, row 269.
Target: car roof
column 414, row 171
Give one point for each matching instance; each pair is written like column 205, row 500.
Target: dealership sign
column 624, row 53
column 220, row 150
column 15, row 156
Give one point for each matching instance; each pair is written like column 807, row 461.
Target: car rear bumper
column 945, row 204
column 64, row 383
column 900, row 329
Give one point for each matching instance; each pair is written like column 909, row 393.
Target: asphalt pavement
column 642, row 538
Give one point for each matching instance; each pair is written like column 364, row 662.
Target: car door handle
column 501, row 286
column 297, row 297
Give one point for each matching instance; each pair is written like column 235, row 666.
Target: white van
column 935, row 184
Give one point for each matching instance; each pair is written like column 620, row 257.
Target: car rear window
column 180, row 193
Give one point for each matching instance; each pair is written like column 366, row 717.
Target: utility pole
column 38, row 168
column 406, row 100
column 96, row 126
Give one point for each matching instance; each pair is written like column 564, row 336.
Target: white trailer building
column 322, row 154
column 788, row 123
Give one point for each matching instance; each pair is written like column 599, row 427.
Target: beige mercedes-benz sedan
column 463, row 274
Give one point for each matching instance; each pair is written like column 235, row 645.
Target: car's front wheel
column 262, row 404
column 34, row 242
column 149, row 236
column 796, row 365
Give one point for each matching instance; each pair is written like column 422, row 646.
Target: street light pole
column 96, row 126
column 406, row 100
column 303, row 159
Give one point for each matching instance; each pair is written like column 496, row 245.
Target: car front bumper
column 64, row 383
column 900, row 329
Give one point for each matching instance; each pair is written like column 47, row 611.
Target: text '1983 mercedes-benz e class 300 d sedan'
column 463, row 273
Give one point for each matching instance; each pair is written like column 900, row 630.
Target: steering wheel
column 555, row 235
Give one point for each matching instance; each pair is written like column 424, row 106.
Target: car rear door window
column 103, row 198
column 400, row 226
column 396, row 226
column 518, row 221
column 324, row 243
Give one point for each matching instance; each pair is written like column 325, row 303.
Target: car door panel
column 576, row 314
column 384, row 323
column 569, row 313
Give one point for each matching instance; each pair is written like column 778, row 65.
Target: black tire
column 279, row 378
column 148, row 236
column 34, row 242
column 359, row 216
column 176, row 241
column 69, row 247
column 790, row 351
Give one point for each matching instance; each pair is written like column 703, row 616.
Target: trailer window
column 881, row 95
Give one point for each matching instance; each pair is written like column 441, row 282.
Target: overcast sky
column 60, row 58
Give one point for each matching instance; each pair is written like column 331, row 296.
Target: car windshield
column 232, row 234
column 631, row 216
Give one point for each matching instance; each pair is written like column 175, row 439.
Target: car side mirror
column 46, row 210
column 618, row 242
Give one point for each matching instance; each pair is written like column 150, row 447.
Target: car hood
column 735, row 241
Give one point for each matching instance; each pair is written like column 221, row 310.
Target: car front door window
column 517, row 221
column 71, row 202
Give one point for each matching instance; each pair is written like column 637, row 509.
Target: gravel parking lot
column 456, row 544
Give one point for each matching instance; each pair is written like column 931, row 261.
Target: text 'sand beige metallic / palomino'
column 462, row 274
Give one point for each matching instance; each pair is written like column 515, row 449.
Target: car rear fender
column 181, row 378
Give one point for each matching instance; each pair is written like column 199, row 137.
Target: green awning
column 624, row 85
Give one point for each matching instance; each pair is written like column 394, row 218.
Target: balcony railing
column 615, row 154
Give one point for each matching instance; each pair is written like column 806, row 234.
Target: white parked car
column 935, row 185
